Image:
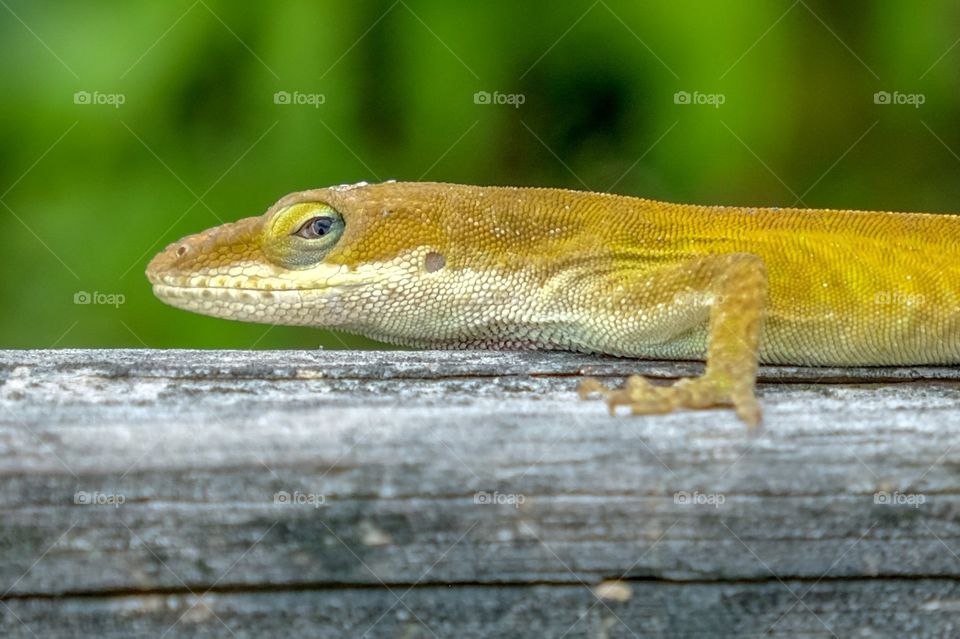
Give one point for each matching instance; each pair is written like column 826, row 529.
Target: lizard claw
column 706, row 391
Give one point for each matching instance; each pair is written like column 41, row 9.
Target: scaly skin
column 452, row 266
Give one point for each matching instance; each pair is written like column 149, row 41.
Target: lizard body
column 453, row 266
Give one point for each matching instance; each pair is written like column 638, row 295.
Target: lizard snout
column 211, row 252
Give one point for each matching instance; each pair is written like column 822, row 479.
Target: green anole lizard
column 450, row 266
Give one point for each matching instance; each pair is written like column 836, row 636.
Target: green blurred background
column 90, row 191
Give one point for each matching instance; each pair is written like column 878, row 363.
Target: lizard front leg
column 734, row 286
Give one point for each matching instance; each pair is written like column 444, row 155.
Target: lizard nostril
column 182, row 250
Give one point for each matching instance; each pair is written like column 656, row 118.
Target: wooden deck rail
column 467, row 494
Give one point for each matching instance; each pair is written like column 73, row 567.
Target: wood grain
column 477, row 482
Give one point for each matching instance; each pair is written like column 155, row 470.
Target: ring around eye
column 302, row 234
column 315, row 227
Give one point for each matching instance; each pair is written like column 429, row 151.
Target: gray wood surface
column 307, row 492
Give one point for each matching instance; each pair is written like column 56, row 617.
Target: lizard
column 434, row 265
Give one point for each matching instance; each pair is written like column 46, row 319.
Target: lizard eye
column 301, row 235
column 315, row 227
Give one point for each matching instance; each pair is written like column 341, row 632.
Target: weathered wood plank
column 420, row 365
column 198, row 445
column 859, row 608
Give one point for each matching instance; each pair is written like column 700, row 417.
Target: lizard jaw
column 325, row 295
column 245, row 304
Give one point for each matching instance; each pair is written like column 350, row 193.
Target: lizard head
column 348, row 257
column 413, row 263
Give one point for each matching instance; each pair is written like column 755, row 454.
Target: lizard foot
column 706, row 391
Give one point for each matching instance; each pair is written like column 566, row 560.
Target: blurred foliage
column 89, row 192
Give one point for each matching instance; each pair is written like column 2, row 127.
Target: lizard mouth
column 166, row 292
column 245, row 290
column 254, row 284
